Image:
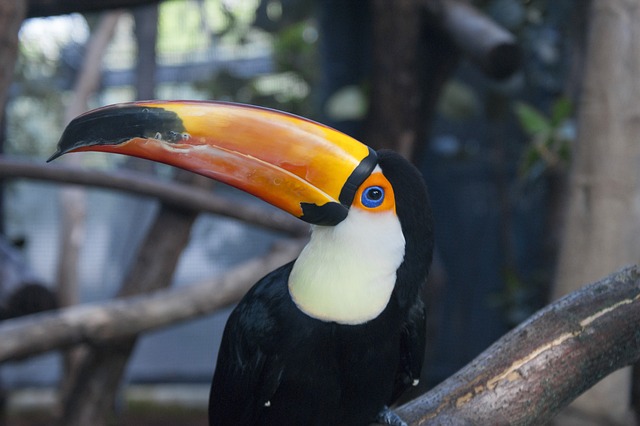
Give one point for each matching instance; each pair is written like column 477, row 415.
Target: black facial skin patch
column 331, row 214
column 356, row 178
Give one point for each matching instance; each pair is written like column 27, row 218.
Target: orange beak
column 302, row 167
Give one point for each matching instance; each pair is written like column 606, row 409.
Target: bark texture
column 534, row 371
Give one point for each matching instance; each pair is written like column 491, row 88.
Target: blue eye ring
column 372, row 197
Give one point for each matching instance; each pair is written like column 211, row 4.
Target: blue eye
column 372, row 197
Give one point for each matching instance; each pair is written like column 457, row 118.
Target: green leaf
column 529, row 159
column 458, row 101
column 561, row 111
column 532, row 120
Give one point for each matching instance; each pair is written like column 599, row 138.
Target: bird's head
column 309, row 170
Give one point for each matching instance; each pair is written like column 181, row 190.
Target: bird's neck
column 347, row 273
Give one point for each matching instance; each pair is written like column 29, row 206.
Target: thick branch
column 486, row 43
column 100, row 323
column 542, row 365
column 180, row 195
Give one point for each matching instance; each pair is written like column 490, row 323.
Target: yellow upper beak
column 302, row 167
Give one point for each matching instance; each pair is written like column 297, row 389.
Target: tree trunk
column 91, row 399
column 12, row 13
column 72, row 199
column 396, row 114
column 146, row 30
column 602, row 223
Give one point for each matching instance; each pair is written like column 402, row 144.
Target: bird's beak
column 302, row 167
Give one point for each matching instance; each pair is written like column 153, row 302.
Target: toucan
column 337, row 335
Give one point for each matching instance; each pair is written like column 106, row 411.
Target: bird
column 336, row 336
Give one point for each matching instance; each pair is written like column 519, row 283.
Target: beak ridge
column 302, row 167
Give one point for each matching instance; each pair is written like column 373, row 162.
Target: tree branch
column 181, row 195
column 494, row 49
column 98, row 324
column 545, row 363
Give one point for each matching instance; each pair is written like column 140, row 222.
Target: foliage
column 550, row 136
column 185, row 28
column 293, row 45
column 458, row 101
column 37, row 81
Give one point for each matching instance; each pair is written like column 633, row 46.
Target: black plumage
column 278, row 366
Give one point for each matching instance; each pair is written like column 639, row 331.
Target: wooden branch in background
column 98, row 324
column 545, row 363
column 73, row 199
column 181, row 195
column 494, row 49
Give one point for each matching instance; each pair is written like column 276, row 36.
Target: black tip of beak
column 55, row 155
column 114, row 125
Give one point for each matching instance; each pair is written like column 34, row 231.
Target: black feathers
column 414, row 210
column 279, row 366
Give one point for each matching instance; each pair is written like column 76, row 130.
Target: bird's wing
column 412, row 346
column 249, row 370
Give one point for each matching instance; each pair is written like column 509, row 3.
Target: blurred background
column 492, row 133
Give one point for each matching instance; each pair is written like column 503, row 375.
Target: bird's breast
column 347, row 273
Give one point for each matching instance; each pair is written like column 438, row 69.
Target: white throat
column 347, row 272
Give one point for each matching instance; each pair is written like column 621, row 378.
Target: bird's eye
column 372, row 197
